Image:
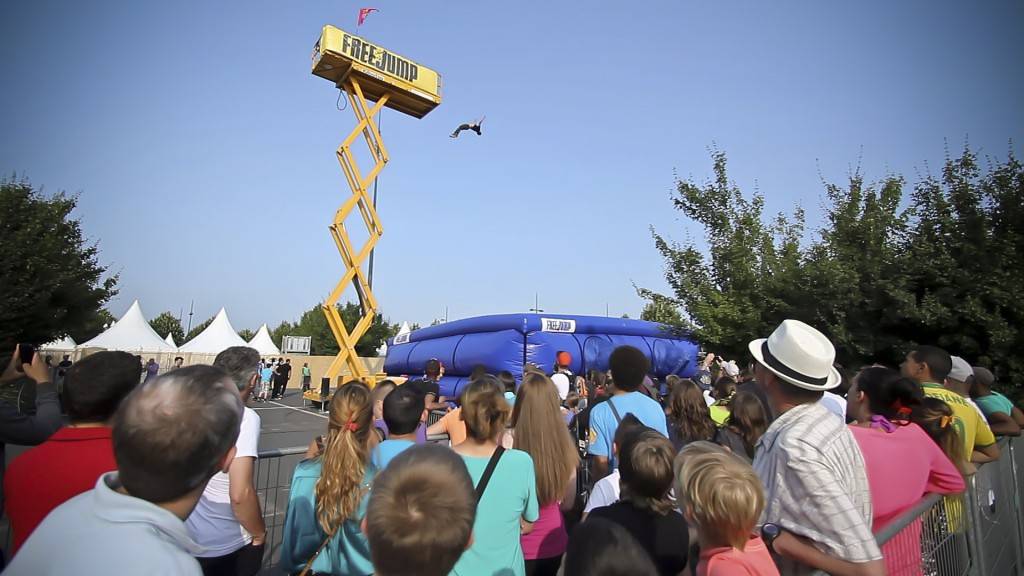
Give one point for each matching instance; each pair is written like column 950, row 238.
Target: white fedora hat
column 798, row 354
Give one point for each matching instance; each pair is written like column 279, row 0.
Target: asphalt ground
column 285, row 423
column 286, row 427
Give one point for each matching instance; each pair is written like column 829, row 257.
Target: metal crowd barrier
column 273, row 478
column 978, row 533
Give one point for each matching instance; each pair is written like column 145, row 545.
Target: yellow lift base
column 365, row 72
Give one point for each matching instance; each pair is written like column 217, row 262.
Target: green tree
column 246, row 334
column 168, row 323
column 198, row 328
column 286, row 328
column 856, row 272
column 878, row 278
column 97, row 324
column 53, row 283
column 664, row 311
column 313, row 323
column 749, row 276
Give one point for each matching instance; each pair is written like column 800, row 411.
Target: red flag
column 363, row 13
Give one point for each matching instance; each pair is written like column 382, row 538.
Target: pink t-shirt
column 903, row 466
column 754, row 560
column 548, row 538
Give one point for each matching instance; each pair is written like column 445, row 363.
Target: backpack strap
column 488, row 472
column 615, row 411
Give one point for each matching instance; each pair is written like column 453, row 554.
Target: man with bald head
column 170, row 436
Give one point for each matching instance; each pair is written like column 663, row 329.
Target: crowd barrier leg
column 1016, row 456
column 272, row 477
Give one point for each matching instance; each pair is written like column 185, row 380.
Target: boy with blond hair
column 723, row 497
column 419, row 519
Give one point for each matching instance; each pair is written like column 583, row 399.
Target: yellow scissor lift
column 366, row 73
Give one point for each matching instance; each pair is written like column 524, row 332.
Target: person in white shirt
column 606, row 490
column 228, row 522
column 170, row 436
column 562, row 377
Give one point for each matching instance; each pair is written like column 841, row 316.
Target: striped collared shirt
column 816, row 484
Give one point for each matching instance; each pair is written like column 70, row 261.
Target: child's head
column 572, row 401
column 721, row 494
column 507, row 380
column 403, row 410
column 344, row 456
column 630, row 425
column 600, row 547
column 484, row 409
column 645, row 467
column 936, row 418
column 724, row 388
column 422, row 488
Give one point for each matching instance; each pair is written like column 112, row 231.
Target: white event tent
column 170, row 340
column 218, row 336
column 65, row 343
column 263, row 343
column 131, row 333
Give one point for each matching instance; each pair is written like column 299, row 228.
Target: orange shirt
column 454, row 426
column 754, row 560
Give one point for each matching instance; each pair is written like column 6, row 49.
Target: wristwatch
column 769, row 532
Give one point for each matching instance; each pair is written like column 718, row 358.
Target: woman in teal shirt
column 508, row 507
column 329, row 493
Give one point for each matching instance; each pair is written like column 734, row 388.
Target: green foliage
column 942, row 264
column 246, row 334
column 664, row 311
column 195, row 330
column 51, row 276
column 313, row 323
column 168, row 323
column 751, row 273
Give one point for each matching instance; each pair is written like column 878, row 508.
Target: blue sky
column 203, row 148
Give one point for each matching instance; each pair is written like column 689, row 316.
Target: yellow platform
column 413, row 88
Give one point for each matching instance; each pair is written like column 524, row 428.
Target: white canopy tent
column 170, row 340
column 65, row 343
column 219, row 335
column 263, row 343
column 404, row 329
column 131, row 333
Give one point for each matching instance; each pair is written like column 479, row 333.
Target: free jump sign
column 557, row 325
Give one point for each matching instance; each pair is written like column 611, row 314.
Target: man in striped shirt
column 815, row 482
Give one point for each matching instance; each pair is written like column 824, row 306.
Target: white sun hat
column 798, row 354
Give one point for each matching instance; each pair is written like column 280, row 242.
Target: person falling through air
column 474, row 126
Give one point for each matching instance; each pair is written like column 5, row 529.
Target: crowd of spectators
column 785, row 466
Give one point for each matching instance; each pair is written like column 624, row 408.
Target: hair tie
column 900, row 409
column 945, row 421
column 352, row 426
column 882, row 422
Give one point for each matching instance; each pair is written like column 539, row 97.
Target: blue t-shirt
column 511, row 398
column 993, row 403
column 603, row 423
column 348, row 553
column 510, row 495
column 387, row 450
column 265, row 374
